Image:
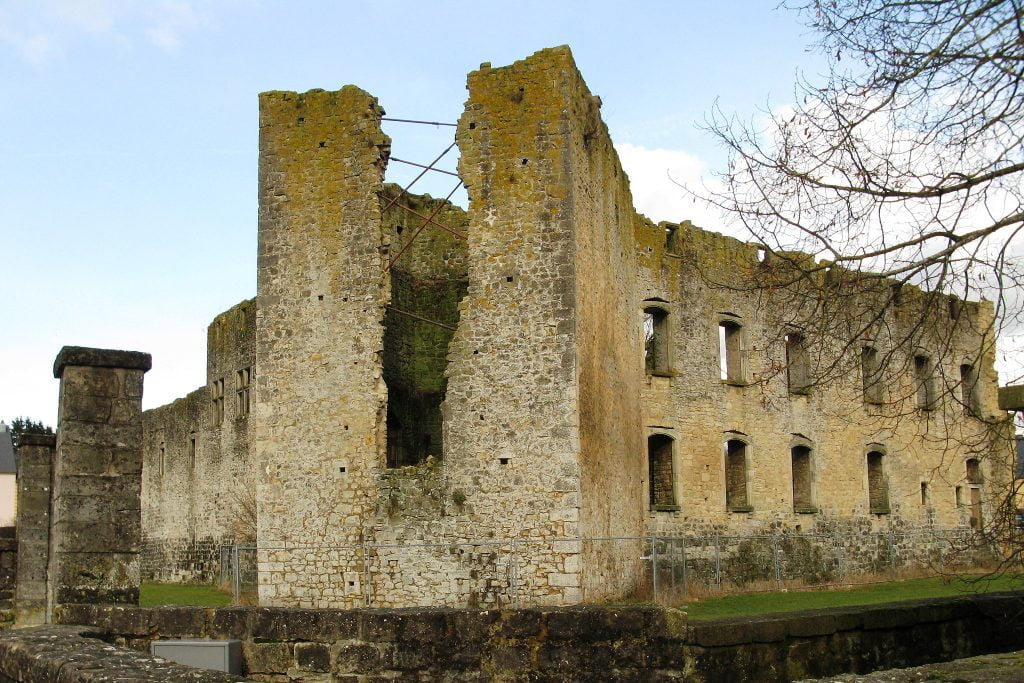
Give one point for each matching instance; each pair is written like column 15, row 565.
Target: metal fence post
column 718, row 560
column 654, row 567
column 514, row 574
column 237, row 578
column 892, row 553
column 682, row 548
column 775, row 560
column 366, row 574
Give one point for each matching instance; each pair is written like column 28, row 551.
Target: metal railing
column 668, row 569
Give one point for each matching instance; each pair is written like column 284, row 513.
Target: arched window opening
column 736, row 499
column 973, row 467
column 802, row 495
column 661, row 472
column 656, row 341
column 878, row 488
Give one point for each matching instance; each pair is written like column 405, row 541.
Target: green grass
column 155, row 594
column 914, row 589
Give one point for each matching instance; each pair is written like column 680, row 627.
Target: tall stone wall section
column 198, row 483
column 702, row 276
column 35, row 481
column 96, row 521
column 319, row 419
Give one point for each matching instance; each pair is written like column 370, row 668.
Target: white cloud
column 47, row 29
column 663, row 183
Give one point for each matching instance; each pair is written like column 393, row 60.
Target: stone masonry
column 95, row 529
column 406, row 409
column 35, row 457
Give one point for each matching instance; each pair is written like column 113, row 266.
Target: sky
column 128, row 151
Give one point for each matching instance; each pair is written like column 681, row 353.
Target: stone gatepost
column 96, row 527
column 35, row 454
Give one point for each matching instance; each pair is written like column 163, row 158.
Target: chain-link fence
column 668, row 569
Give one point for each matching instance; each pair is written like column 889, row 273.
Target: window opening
column 871, row 375
column 923, row 381
column 736, row 499
column 730, row 351
column 161, row 461
column 661, row 475
column 656, row 341
column 192, row 452
column 968, row 389
column 802, row 498
column 242, row 378
column 924, row 493
column 958, row 494
column 797, row 364
column 878, row 490
column 217, row 394
column 973, row 467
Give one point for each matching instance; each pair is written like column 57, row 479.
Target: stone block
column 230, row 623
column 356, row 657
column 179, row 622
column 267, row 658
column 520, row 623
column 595, row 623
column 313, row 657
column 426, row 625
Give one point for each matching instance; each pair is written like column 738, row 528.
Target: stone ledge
column 100, row 358
column 30, row 439
column 73, row 654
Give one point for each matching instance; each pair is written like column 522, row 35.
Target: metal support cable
column 422, row 173
column 413, row 163
column 427, row 123
column 420, row 318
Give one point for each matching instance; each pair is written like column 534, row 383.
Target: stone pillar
column 96, row 528
column 35, row 455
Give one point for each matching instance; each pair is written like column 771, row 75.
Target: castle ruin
column 544, row 368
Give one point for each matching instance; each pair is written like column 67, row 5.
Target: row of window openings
column 662, row 480
column 798, row 375
column 243, row 379
column 162, row 456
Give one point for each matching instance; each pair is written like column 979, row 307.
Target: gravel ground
column 1006, row 667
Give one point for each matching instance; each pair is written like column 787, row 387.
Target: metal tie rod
column 429, row 168
column 426, row 123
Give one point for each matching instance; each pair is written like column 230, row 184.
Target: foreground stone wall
column 564, row 644
column 35, row 481
column 96, row 518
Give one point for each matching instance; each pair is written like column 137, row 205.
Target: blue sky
column 129, row 139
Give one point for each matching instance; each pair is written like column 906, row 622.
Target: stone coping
column 73, row 654
column 100, row 358
column 29, row 439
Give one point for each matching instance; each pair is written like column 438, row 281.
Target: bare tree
column 889, row 195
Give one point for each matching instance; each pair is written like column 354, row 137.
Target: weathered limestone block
column 95, row 532
column 35, row 454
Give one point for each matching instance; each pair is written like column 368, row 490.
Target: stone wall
column 198, row 487
column 429, row 403
column 705, row 279
column 564, row 644
column 35, row 482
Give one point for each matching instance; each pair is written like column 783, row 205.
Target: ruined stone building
column 416, row 387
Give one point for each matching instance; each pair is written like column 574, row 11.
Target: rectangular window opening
column 923, row 383
column 736, row 499
column 798, row 369
column 802, row 497
column 656, row 342
column 969, row 389
column 217, row 396
column 878, row 489
column 661, row 475
column 730, row 351
column 871, row 375
column 242, row 378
